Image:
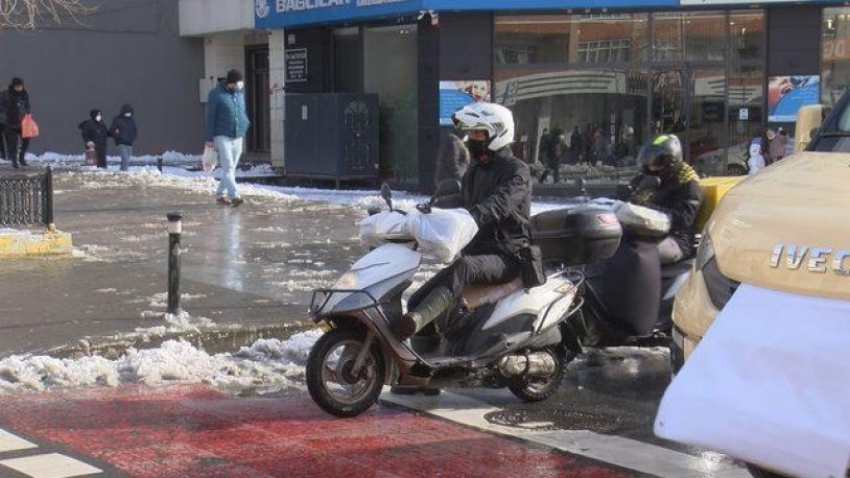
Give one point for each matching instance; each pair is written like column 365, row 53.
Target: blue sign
column 286, row 13
column 787, row 94
column 454, row 95
column 519, row 5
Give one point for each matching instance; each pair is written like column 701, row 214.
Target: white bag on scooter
column 384, row 227
column 442, row 233
column 643, row 221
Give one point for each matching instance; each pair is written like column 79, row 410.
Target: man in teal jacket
column 227, row 123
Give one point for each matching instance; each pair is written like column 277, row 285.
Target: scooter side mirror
column 387, row 194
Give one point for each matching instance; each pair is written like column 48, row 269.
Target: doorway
column 257, row 99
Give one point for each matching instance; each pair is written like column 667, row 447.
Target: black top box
column 576, row 235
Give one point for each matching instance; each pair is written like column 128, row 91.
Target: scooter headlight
column 346, row 281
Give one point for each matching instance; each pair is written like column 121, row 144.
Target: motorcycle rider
column 629, row 283
column 678, row 196
column 496, row 189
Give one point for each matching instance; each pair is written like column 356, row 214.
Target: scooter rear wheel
column 331, row 381
column 534, row 389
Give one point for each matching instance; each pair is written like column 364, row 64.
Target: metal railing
column 26, row 198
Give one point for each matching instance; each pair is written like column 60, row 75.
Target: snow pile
column 269, row 363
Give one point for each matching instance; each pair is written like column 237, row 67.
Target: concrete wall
column 222, row 53
column 128, row 52
column 204, row 17
column 277, row 80
column 794, row 40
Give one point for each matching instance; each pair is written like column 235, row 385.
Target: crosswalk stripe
column 51, row 465
column 620, row 451
column 9, row 442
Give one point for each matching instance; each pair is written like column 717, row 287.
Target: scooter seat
column 477, row 295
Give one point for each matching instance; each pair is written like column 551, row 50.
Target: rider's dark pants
column 475, row 269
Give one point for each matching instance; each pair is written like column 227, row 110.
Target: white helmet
column 496, row 120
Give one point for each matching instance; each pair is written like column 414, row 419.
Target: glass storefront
column 394, row 49
column 835, row 73
column 602, row 85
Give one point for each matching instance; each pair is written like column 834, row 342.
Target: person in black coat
column 124, row 131
column 16, row 104
column 94, row 131
column 629, row 282
column 497, row 193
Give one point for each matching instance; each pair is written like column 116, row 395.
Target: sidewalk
column 252, row 266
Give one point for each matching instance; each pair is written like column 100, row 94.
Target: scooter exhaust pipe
column 537, row 364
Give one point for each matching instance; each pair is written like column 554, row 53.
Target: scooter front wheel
column 331, row 379
column 536, row 389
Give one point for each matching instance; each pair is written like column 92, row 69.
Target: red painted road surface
column 194, row 431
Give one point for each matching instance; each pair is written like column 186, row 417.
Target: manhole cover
column 555, row 420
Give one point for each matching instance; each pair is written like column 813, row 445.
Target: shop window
column 624, row 78
column 667, row 36
column 746, row 32
column 605, row 51
column 835, row 76
column 530, row 39
column 690, row 36
column 705, row 36
column 619, row 38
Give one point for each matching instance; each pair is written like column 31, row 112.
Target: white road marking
column 9, row 442
column 51, row 465
column 623, row 452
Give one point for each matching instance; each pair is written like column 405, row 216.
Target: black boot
column 437, row 302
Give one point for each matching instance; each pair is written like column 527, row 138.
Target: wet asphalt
column 251, row 267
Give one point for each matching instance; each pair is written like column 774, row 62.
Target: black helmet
column 664, row 151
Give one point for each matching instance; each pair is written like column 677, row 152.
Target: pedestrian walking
column 552, row 149
column 453, row 158
column 227, row 123
column 94, row 131
column 16, row 104
column 124, row 131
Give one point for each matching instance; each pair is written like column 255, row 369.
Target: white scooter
column 506, row 336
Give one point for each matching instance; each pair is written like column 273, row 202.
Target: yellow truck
column 784, row 232
column 784, row 228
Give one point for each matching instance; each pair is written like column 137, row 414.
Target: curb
column 26, row 244
column 210, row 340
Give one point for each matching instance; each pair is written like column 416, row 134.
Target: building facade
column 602, row 77
column 128, row 51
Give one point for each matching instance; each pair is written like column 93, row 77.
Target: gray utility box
column 331, row 136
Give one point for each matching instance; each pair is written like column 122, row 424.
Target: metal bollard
column 175, row 228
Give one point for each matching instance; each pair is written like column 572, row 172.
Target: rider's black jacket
column 679, row 196
column 498, row 195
